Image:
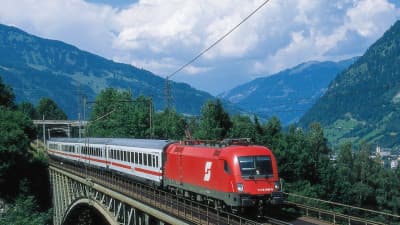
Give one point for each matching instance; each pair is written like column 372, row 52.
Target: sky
column 160, row 35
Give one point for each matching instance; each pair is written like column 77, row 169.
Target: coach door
column 107, row 156
column 179, row 163
column 77, row 152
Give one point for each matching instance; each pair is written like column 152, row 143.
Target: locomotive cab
column 258, row 183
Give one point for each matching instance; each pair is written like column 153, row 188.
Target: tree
column 25, row 211
column 273, row 133
column 16, row 133
column 28, row 109
column 112, row 115
column 362, row 171
column 6, row 96
column 142, row 109
column 259, row 131
column 318, row 152
column 170, row 125
column 242, row 127
column 50, row 110
column 18, row 162
column 292, row 157
column 214, row 123
column 344, row 177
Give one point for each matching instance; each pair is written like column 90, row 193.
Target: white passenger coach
column 140, row 158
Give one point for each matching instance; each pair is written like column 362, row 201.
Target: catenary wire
column 217, row 41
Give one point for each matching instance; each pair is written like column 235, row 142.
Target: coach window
column 151, row 160
column 136, row 157
column 132, row 157
column 140, row 158
column 144, row 159
column 125, row 156
column 156, row 161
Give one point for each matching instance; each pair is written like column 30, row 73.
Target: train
column 232, row 174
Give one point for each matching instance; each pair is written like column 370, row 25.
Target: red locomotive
column 232, row 174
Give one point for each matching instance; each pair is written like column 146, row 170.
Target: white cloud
column 163, row 35
column 159, row 66
column 194, row 70
column 76, row 22
column 311, row 40
column 371, row 17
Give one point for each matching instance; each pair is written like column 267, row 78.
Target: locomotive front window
column 255, row 166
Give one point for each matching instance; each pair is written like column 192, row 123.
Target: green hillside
column 289, row 93
column 363, row 102
column 37, row 67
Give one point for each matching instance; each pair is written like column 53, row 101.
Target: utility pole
column 151, row 117
column 44, row 134
column 167, row 93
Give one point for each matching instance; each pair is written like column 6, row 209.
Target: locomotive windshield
column 255, row 166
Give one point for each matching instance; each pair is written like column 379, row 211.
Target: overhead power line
column 167, row 78
column 217, row 41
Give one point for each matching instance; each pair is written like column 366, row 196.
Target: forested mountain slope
column 289, row 93
column 37, row 67
column 363, row 102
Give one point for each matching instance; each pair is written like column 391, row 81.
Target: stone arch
column 85, row 201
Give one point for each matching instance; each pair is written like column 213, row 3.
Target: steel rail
column 344, row 205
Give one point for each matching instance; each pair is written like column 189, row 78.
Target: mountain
column 289, row 93
column 37, row 67
column 363, row 102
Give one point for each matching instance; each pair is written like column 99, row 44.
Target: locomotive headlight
column 240, row 187
column 277, row 186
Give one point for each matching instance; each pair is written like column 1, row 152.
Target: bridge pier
column 71, row 192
